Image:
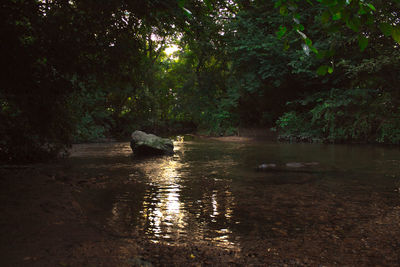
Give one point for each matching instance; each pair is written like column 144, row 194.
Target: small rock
column 266, row 166
column 294, row 165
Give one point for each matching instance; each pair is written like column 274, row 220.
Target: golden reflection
column 214, row 204
column 162, row 208
column 169, row 210
column 229, row 208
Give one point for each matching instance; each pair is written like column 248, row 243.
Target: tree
column 53, row 49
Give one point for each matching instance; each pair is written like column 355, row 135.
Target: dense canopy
column 82, row 70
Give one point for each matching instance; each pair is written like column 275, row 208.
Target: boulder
column 150, row 144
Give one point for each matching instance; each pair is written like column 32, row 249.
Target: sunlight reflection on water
column 168, row 211
column 211, row 192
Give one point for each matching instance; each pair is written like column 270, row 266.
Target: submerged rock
column 294, row 165
column 311, row 163
column 286, row 167
column 265, row 166
column 301, row 164
column 150, row 144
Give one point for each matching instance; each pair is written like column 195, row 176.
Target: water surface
column 210, row 191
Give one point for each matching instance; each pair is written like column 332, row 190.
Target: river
column 210, row 192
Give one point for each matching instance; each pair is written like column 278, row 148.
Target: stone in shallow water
column 294, row 165
column 150, row 144
column 286, row 167
column 311, row 163
column 266, row 166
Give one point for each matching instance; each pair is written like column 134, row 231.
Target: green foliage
column 362, row 42
column 91, row 120
column 356, row 115
column 51, row 51
column 359, row 16
column 88, row 130
column 324, row 69
column 75, row 71
column 264, row 74
column 348, row 113
column 291, row 125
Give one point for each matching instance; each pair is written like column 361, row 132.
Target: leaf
column 314, row 50
column 278, row 4
column 330, row 70
column 299, row 27
column 337, row 16
column 396, row 34
column 281, row 32
column 308, row 45
column 286, row 45
column 362, row 42
column 322, row 70
column 308, row 42
column 283, row 10
column 386, row 29
column 371, row 6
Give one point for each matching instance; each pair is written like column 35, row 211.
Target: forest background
column 82, row 70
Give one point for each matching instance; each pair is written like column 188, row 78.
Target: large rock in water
column 150, row 144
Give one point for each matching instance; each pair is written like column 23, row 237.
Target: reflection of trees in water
column 209, row 210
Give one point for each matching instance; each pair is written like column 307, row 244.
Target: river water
column 210, row 191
